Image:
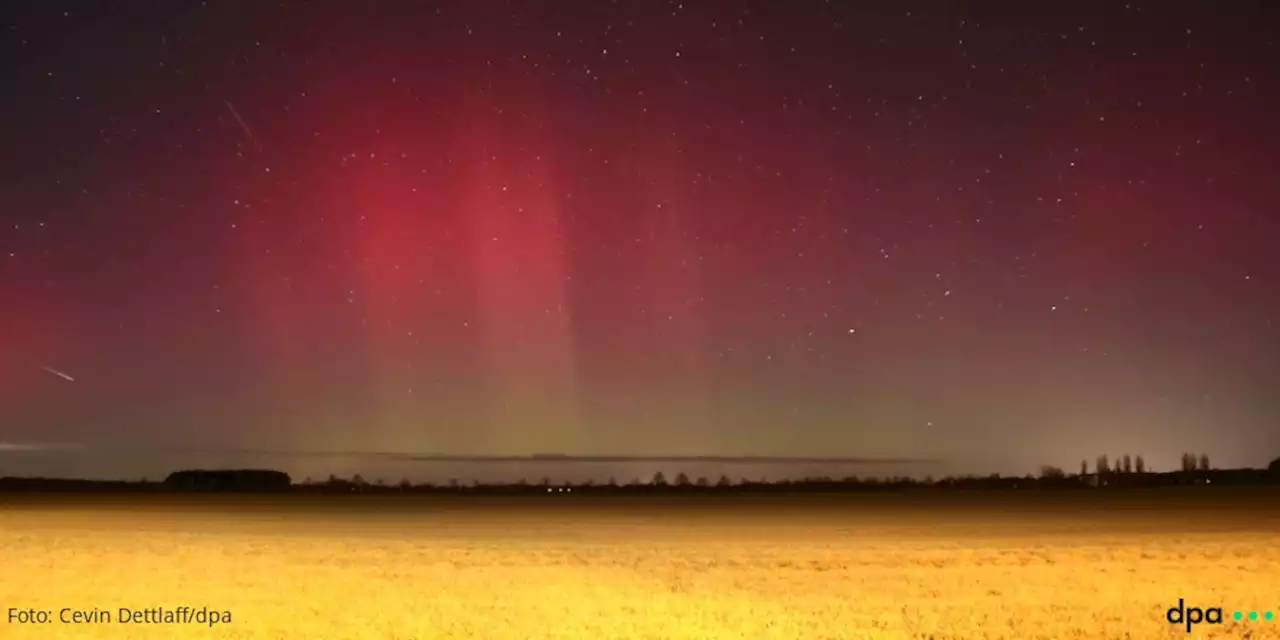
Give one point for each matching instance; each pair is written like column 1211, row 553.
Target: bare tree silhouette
column 1188, row 462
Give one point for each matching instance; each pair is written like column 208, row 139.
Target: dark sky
column 1033, row 232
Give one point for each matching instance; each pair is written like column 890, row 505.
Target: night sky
column 1025, row 232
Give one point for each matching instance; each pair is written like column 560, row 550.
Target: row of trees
column 1127, row 464
column 1195, row 470
column 1191, row 463
column 1050, row 477
column 659, row 480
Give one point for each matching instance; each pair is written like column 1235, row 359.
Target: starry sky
column 975, row 232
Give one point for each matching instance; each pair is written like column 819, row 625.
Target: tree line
column 1127, row 472
column 1125, row 464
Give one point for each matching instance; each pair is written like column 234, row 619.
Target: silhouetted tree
column 703, row 482
column 724, row 481
column 1102, row 466
column 1204, row 462
column 1274, row 467
column 1139, row 465
column 1084, row 467
column 1049, row 472
column 1188, row 462
column 659, row 480
column 682, row 480
column 1127, row 463
column 405, row 485
column 358, row 480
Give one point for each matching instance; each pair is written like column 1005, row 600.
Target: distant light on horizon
column 38, row 446
column 13, row 446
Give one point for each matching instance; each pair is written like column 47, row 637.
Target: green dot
column 1253, row 615
column 1267, row 615
column 1238, row 615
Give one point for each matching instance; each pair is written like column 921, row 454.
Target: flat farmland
column 1013, row 565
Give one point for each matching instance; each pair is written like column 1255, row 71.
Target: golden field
column 973, row 566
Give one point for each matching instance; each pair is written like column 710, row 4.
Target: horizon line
column 474, row 458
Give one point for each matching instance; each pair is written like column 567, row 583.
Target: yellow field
column 861, row 567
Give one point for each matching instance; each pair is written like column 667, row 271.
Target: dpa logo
column 1191, row 616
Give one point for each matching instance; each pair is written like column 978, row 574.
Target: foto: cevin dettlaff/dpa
column 121, row 615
